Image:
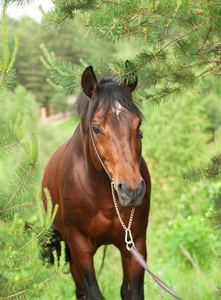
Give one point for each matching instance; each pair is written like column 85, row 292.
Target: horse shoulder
column 50, row 176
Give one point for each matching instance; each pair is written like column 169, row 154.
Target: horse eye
column 96, row 129
column 141, row 134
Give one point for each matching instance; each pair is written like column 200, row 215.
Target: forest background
column 180, row 133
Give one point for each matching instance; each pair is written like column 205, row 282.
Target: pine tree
column 20, row 271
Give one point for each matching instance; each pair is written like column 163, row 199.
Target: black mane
column 110, row 91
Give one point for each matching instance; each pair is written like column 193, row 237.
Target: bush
column 188, row 240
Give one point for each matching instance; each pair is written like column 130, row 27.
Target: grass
column 187, row 283
column 69, row 126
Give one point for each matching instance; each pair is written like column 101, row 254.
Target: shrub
column 188, row 240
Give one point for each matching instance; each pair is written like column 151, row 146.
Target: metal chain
column 126, row 228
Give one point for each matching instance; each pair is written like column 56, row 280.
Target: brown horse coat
column 86, row 217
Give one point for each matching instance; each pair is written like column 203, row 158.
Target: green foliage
column 15, row 2
column 214, row 213
column 208, row 170
column 66, row 73
column 19, row 197
column 188, row 240
column 67, row 42
column 19, row 98
column 173, row 136
column 179, row 40
column 192, row 201
column 7, row 58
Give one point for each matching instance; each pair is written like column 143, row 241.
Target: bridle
column 128, row 235
column 95, row 149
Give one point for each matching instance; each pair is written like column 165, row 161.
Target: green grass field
column 187, row 283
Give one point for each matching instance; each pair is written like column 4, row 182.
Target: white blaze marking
column 117, row 108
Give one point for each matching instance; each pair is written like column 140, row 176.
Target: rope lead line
column 142, row 262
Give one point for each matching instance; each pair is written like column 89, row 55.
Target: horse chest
column 95, row 221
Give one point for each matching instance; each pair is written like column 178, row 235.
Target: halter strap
column 92, row 138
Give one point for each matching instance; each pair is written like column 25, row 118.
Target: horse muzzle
column 130, row 197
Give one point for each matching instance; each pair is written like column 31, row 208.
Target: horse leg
column 80, row 292
column 82, row 268
column 133, row 280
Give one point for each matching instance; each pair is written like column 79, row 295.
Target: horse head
column 115, row 141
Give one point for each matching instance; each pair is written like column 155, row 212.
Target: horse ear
column 130, row 83
column 130, row 87
column 89, row 82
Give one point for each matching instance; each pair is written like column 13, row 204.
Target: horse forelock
column 112, row 95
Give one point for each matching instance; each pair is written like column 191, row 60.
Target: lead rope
column 131, row 247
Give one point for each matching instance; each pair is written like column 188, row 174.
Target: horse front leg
column 133, row 280
column 80, row 291
column 82, row 268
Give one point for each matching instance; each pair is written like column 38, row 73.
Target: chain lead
column 128, row 235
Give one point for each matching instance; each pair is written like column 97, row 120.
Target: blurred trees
column 174, row 140
column 66, row 43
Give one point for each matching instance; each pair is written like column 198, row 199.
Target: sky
column 31, row 10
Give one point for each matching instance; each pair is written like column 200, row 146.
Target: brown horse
column 106, row 145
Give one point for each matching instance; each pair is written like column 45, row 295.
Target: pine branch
column 139, row 67
column 9, row 146
column 16, row 235
column 21, row 184
column 35, row 237
column 58, row 267
column 206, row 170
column 7, row 136
column 155, row 24
column 24, row 291
column 2, row 77
column 182, row 36
column 214, row 213
column 16, row 206
column 7, row 63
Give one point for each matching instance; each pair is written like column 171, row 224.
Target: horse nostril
column 120, row 185
column 124, row 189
